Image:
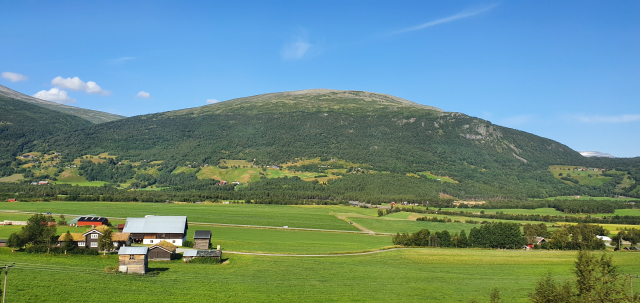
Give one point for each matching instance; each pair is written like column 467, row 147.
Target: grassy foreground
column 410, row 275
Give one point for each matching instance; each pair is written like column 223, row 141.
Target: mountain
column 377, row 131
column 90, row 115
column 23, row 123
column 596, row 154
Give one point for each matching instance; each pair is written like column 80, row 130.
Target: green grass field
column 12, row 178
column 411, row 275
column 264, row 215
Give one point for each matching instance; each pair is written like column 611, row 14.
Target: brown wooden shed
column 202, row 239
column 162, row 251
column 133, row 259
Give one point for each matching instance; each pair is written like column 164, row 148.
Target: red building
column 92, row 221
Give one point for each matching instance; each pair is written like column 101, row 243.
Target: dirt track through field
column 323, row 255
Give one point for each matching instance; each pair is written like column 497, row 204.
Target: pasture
column 408, row 275
column 251, row 214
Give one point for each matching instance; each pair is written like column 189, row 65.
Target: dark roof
column 3, row 240
column 202, row 234
column 92, row 219
column 209, row 253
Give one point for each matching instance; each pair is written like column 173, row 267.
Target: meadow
column 407, row 275
column 252, row 214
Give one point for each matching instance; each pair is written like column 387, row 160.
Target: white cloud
column 13, row 77
column 54, row 95
column 297, row 47
column 143, row 94
column 608, row 119
column 517, row 120
column 211, row 101
column 463, row 14
column 76, row 84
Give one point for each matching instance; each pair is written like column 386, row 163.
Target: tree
column 15, row 242
column 380, row 213
column 67, row 242
column 462, row 239
column 597, row 280
column 105, row 241
column 40, row 230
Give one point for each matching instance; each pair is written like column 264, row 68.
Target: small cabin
column 202, row 239
column 3, row 242
column 133, row 260
column 162, row 251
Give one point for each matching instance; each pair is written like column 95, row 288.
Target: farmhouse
column 190, row 254
column 92, row 221
column 89, row 239
column 133, row 260
column 162, row 251
column 153, row 229
column 43, row 182
column 202, row 239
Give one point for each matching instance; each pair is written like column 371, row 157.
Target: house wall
column 87, row 223
column 138, row 265
column 201, row 243
column 159, row 254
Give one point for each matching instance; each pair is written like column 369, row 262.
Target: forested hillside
column 23, row 124
column 384, row 143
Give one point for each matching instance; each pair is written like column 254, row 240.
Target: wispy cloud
column 211, row 101
column 297, row 47
column 14, row 77
column 143, row 94
column 54, row 95
column 461, row 15
column 76, row 84
column 607, row 119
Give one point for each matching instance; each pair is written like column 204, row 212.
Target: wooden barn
column 154, row 229
column 202, row 239
column 162, row 251
column 92, row 221
column 133, row 260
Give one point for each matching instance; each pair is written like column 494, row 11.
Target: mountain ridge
column 91, row 115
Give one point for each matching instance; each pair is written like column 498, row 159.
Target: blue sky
column 565, row 70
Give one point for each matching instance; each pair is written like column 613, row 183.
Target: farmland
column 432, row 275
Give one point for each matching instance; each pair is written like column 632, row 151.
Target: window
column 81, row 244
column 94, row 236
column 94, row 244
column 131, row 257
column 173, row 241
column 115, row 244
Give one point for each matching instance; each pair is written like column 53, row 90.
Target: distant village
column 138, row 240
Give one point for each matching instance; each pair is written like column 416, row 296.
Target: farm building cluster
column 138, row 240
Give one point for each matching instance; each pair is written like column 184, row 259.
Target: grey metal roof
column 202, row 234
column 202, row 253
column 190, row 253
column 133, row 250
column 156, row 224
column 209, row 253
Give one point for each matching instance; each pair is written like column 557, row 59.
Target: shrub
column 205, row 260
column 187, row 243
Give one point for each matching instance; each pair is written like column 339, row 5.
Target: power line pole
column 6, row 273
column 630, row 283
